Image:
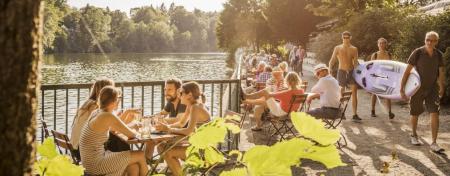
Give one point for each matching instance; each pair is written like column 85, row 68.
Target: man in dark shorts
column 428, row 62
column 347, row 56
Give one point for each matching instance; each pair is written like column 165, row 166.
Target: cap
column 320, row 67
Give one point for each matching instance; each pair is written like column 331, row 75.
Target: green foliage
column 316, row 143
column 264, row 24
column 148, row 29
column 52, row 163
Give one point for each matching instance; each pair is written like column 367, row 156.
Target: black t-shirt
column 426, row 66
column 172, row 111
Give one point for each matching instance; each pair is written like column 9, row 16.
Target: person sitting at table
column 328, row 91
column 284, row 67
column 174, row 108
column 96, row 160
column 261, row 78
column 196, row 113
column 276, row 83
column 84, row 112
column 259, row 69
column 280, row 108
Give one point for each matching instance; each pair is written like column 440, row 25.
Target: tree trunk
column 20, row 53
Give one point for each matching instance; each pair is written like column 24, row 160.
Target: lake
column 133, row 67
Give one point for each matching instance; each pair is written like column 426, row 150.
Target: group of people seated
column 278, row 86
column 98, row 122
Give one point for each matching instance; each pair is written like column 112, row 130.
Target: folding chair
column 304, row 85
column 236, row 138
column 62, row 141
column 333, row 123
column 285, row 121
column 44, row 129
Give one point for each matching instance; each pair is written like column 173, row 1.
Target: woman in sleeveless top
column 196, row 113
column 85, row 111
column 381, row 54
column 94, row 134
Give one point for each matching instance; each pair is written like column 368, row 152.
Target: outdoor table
column 156, row 138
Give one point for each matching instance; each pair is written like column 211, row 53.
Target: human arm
column 441, row 81
column 194, row 115
column 312, row 96
column 333, row 59
column 117, row 125
column 404, row 80
column 355, row 58
column 128, row 115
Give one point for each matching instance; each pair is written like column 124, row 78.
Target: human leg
column 257, row 115
column 355, row 102
column 172, row 159
column 149, row 149
column 132, row 170
column 374, row 100
column 389, row 105
column 138, row 157
column 434, row 126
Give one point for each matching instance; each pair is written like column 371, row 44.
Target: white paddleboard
column 383, row 78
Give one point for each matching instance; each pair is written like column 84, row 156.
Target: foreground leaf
column 62, row 165
column 47, row 149
column 329, row 156
column 314, row 129
column 212, row 156
column 209, row 134
column 235, row 172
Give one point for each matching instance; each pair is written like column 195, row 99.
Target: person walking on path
column 381, row 54
column 298, row 61
column 428, row 62
column 347, row 56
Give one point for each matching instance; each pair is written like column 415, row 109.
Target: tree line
column 146, row 29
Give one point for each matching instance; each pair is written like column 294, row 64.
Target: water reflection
column 130, row 67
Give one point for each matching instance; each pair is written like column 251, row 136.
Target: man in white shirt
column 328, row 91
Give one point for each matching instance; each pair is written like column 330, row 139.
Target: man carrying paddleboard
column 381, row 54
column 347, row 56
column 429, row 64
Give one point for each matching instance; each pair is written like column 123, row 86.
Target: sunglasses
column 345, row 37
column 430, row 40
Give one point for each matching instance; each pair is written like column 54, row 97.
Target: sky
column 126, row 5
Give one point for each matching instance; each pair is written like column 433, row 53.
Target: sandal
column 255, row 128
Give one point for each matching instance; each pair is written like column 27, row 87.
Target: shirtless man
column 347, row 56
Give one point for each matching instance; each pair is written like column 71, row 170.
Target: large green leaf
column 329, row 156
column 47, row 149
column 212, row 156
column 233, row 128
column 62, row 165
column 193, row 157
column 314, row 129
column 233, row 117
column 235, row 172
column 209, row 134
column 278, row 159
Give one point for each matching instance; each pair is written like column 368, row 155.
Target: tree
column 20, row 53
column 53, row 16
column 290, row 21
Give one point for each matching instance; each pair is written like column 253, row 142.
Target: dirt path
column 372, row 142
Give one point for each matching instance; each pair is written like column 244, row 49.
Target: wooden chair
column 333, row 123
column 285, row 121
column 62, row 141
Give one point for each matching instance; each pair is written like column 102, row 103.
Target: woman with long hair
column 85, row 111
column 196, row 113
column 96, row 160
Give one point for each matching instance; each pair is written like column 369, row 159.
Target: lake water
column 132, row 67
column 85, row 68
